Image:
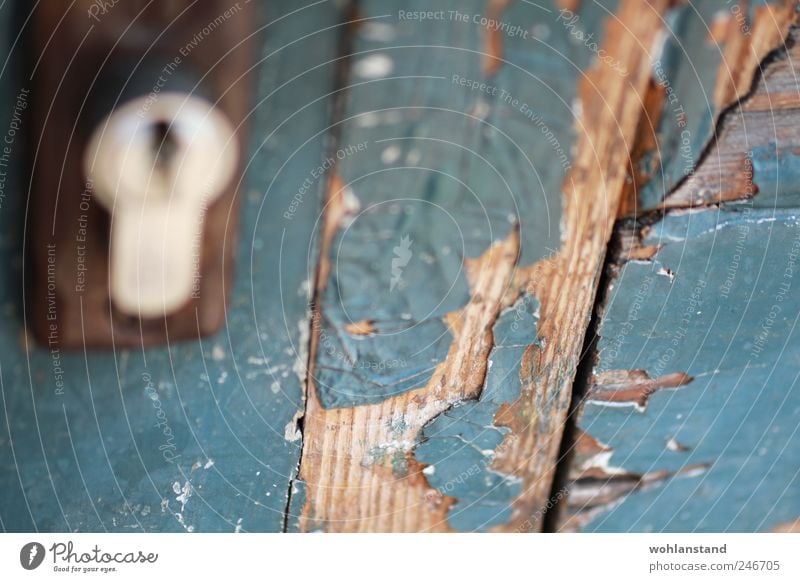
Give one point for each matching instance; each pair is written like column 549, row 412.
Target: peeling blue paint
column 460, row 444
column 727, row 317
column 776, row 174
column 448, row 167
column 297, row 496
column 687, row 70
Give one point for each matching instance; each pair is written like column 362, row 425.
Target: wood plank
column 477, row 213
column 747, row 140
column 706, row 61
column 693, row 402
column 197, row 436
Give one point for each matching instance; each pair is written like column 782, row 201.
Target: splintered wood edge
column 722, row 175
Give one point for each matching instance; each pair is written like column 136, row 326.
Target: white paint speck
column 481, row 109
column 290, row 432
column 664, row 272
column 577, row 108
column 373, row 66
column 674, row 445
column 602, row 461
column 377, row 31
column 217, row 353
column 540, row 31
column 368, row 119
column 305, row 289
column 391, row 154
column 413, row 158
column 351, row 206
column 183, row 493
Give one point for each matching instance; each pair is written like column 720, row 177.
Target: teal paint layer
column 719, row 302
column 776, row 174
column 297, row 496
column 196, row 436
column 460, row 444
column 446, row 161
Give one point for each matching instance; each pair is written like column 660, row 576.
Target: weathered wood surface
column 500, row 213
column 196, row 436
column 416, row 274
column 694, row 401
column 704, row 62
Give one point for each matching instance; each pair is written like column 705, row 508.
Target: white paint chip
column 378, row 31
column 374, row 66
column 183, row 493
column 291, row 432
column 391, row 154
column 217, row 353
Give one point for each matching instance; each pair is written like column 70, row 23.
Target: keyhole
column 164, row 147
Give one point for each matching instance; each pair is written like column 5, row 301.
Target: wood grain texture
column 359, row 471
column 706, row 61
column 766, row 117
column 703, row 302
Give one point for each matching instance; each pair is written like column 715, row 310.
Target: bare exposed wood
column 725, row 172
column 566, row 286
column 658, row 328
column 346, row 495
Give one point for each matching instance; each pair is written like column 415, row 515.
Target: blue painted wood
column 776, row 174
column 197, row 436
column 718, row 302
column 452, row 159
column 459, row 445
column 452, row 152
column 686, row 69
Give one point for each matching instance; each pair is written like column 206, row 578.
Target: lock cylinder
column 156, row 166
